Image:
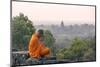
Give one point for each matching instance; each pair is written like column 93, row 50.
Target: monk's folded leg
column 45, row 52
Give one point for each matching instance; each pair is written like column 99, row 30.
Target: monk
column 37, row 48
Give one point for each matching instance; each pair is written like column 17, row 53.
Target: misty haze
column 63, row 34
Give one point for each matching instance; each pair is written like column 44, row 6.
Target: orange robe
column 36, row 48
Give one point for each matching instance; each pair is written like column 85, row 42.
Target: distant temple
column 62, row 24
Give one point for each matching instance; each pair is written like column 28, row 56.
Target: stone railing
column 21, row 58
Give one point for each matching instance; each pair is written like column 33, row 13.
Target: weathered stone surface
column 22, row 58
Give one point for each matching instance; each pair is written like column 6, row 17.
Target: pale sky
column 41, row 13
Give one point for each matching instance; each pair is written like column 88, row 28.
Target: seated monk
column 37, row 49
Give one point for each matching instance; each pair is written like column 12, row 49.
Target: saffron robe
column 36, row 48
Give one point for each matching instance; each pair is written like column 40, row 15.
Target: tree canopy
column 21, row 30
column 49, row 40
column 80, row 50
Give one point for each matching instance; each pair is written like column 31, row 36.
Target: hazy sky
column 41, row 13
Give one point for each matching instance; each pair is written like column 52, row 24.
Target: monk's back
column 33, row 46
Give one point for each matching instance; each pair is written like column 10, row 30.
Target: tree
column 80, row 50
column 90, row 54
column 21, row 31
column 49, row 40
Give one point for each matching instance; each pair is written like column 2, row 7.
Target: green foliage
column 80, row 50
column 49, row 40
column 21, row 31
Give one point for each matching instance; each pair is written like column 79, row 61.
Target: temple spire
column 62, row 23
